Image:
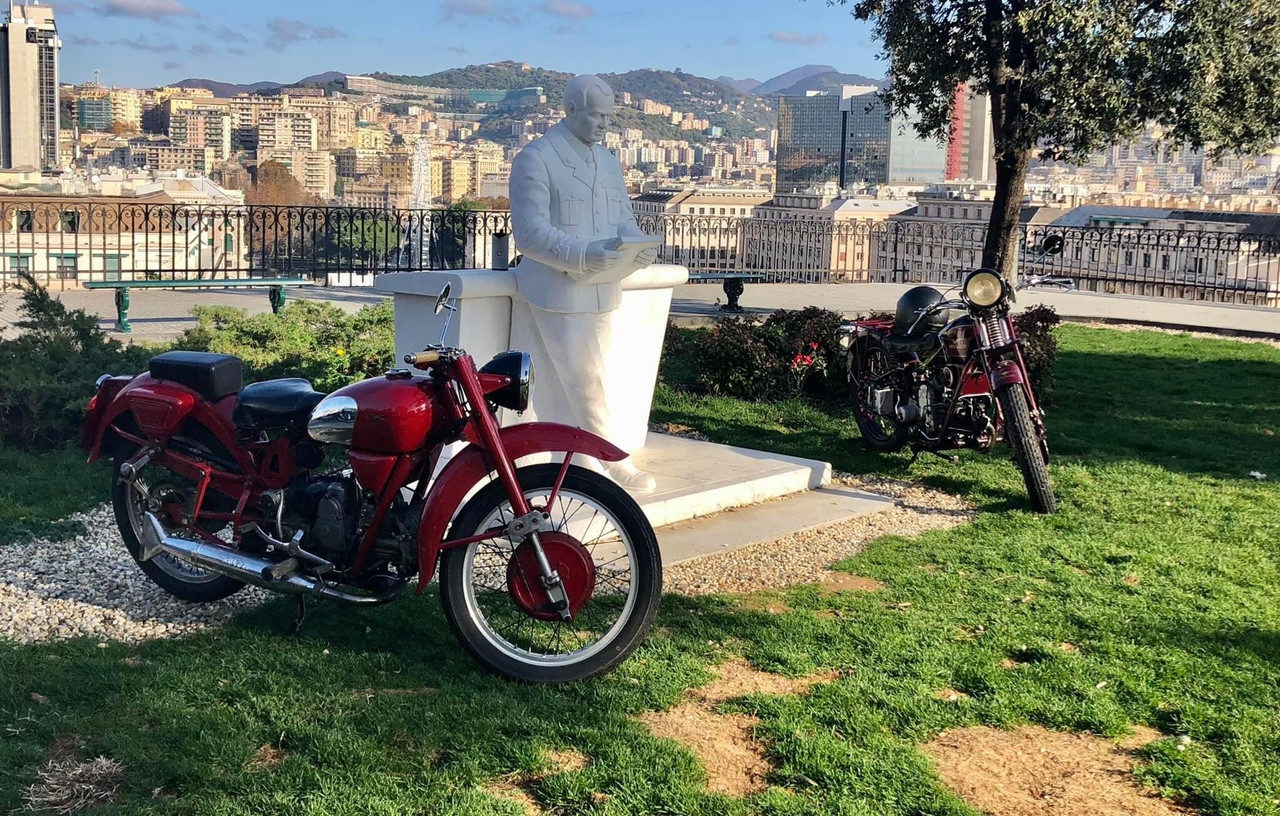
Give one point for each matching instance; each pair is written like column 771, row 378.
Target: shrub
column 1039, row 347
column 810, row 334
column 47, row 371
column 309, row 338
column 736, row 361
column 792, row 353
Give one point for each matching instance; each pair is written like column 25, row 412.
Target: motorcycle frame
column 457, row 390
column 988, row 369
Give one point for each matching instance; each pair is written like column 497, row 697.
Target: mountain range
column 796, row 81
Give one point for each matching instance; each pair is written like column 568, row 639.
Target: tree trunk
column 1004, row 229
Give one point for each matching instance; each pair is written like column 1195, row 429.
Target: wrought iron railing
column 66, row 243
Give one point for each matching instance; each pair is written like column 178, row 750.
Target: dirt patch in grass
column 950, row 695
column 737, row 678
column 735, row 763
column 845, row 582
column 509, row 788
column 1035, row 772
column 68, row 783
column 517, row 787
column 567, row 760
column 266, row 758
column 764, row 602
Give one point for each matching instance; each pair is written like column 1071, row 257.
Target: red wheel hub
column 568, row 557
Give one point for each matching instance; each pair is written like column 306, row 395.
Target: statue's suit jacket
column 559, row 204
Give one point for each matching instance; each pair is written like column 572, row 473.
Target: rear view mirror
column 443, row 300
column 1052, row 245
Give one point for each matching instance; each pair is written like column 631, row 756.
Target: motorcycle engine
column 327, row 509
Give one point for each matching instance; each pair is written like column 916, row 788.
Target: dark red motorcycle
column 548, row 572
column 946, row 374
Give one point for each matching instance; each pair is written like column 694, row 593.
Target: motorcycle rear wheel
column 495, row 625
column 1021, row 435
column 879, row 433
column 184, row 581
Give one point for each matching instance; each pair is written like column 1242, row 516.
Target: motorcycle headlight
column 333, row 420
column 517, row 367
column 983, row 288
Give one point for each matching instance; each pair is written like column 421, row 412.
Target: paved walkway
column 163, row 314
column 694, row 303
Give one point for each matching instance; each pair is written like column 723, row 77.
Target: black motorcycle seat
column 275, row 404
column 212, row 376
column 905, row 346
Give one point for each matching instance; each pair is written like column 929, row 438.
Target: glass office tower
column 846, row 138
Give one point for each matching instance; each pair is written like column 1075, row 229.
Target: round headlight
column 333, row 420
column 983, row 288
column 517, row 367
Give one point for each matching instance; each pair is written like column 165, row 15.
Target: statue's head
column 588, row 104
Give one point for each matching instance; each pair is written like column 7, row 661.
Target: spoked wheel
column 1025, row 445
column 879, row 432
column 166, row 494
column 605, row 552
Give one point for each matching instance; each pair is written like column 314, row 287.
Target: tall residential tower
column 29, row 48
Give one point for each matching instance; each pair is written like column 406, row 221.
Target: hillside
column 227, row 89
column 828, row 81
column 786, row 80
column 744, row 85
column 738, row 113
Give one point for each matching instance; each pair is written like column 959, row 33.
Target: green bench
column 275, row 292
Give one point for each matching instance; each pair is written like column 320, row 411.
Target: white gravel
column 90, row 587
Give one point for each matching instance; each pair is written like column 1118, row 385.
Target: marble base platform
column 698, row 478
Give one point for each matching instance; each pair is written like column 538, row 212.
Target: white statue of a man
column 569, row 205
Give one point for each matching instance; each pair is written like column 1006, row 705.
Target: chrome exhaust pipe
column 244, row 567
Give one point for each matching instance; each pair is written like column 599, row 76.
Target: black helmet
column 911, row 304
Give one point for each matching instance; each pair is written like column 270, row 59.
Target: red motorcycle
column 548, row 572
column 937, row 380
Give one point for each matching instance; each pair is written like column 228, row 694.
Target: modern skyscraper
column 29, row 46
column 971, row 147
column 845, row 138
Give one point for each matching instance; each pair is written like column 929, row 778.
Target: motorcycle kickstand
column 949, row 459
column 295, row 627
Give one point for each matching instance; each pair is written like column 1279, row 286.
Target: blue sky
column 143, row 43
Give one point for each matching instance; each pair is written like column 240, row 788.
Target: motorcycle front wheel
column 1021, row 435
column 606, row 553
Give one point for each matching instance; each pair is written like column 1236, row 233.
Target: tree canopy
column 1068, row 77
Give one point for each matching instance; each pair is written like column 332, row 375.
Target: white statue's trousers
column 570, row 353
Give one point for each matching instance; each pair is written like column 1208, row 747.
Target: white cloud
column 146, row 9
column 284, row 31
column 568, row 9
column 794, row 38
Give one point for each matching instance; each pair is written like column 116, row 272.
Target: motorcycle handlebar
column 422, row 359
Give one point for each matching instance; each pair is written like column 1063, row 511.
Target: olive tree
column 1068, row 77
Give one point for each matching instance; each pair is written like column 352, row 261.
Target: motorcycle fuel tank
column 393, row 414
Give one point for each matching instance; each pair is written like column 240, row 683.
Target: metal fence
column 65, row 243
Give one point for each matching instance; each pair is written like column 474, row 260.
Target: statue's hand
column 647, row 257
column 598, row 259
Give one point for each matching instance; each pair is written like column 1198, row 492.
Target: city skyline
column 146, row 43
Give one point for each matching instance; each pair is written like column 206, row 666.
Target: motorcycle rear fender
column 159, row 408
column 473, row 463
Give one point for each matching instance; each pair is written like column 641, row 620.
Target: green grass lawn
column 1161, row 568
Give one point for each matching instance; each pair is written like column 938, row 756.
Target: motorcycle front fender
column 473, row 463
column 1007, row 372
